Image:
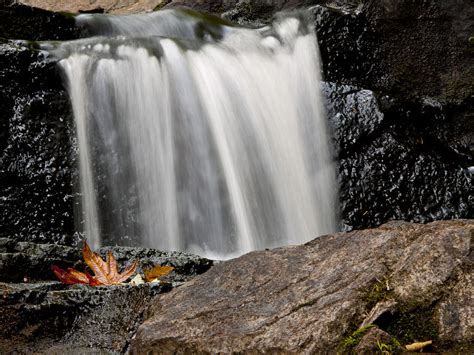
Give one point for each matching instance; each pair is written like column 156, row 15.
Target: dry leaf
column 70, row 276
column 418, row 346
column 105, row 272
column 157, row 272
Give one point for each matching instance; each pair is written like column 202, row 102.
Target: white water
column 211, row 141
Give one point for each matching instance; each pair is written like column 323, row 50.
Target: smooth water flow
column 199, row 136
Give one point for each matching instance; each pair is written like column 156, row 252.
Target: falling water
column 200, row 136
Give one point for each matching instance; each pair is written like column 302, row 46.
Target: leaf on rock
column 105, row 272
column 70, row 276
column 157, row 272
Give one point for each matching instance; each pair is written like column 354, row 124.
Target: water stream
column 200, row 136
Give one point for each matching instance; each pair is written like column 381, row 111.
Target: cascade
column 198, row 135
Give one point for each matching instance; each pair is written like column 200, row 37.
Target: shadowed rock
column 44, row 316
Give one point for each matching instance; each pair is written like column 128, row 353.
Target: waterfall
column 198, row 135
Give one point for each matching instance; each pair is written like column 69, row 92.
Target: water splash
column 198, row 136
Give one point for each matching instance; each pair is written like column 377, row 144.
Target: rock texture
column 398, row 160
column 371, row 343
column 50, row 318
column 37, row 148
column 41, row 315
column 34, row 24
column 413, row 281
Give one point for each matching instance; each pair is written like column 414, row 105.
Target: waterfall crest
column 200, row 136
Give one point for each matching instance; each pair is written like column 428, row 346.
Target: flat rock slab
column 306, row 299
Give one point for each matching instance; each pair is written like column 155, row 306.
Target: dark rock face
column 404, row 147
column 398, row 160
column 37, row 149
column 37, row 139
column 304, row 299
column 46, row 316
column 29, row 23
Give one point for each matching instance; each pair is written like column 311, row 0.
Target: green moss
column 377, row 293
column 68, row 14
column 207, row 18
column 354, row 339
column 393, row 347
column 410, row 322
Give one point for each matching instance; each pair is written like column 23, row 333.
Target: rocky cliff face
column 37, row 148
column 414, row 282
column 399, row 98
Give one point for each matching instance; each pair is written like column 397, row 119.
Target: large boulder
column 37, row 139
column 413, row 281
column 409, row 49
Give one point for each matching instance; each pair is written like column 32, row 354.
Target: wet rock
column 186, row 266
column 37, row 144
column 398, row 159
column 45, row 316
column 34, row 24
column 349, row 47
column 49, row 317
column 305, row 299
column 20, row 261
column 37, row 148
column 410, row 50
column 354, row 115
column 30, row 261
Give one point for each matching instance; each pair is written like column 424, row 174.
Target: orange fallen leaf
column 105, row 272
column 70, row 276
column 157, row 272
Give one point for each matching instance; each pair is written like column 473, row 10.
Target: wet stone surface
column 50, row 317
column 40, row 314
column 37, row 148
column 21, row 261
column 399, row 160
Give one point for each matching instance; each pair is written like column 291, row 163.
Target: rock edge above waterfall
column 413, row 281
